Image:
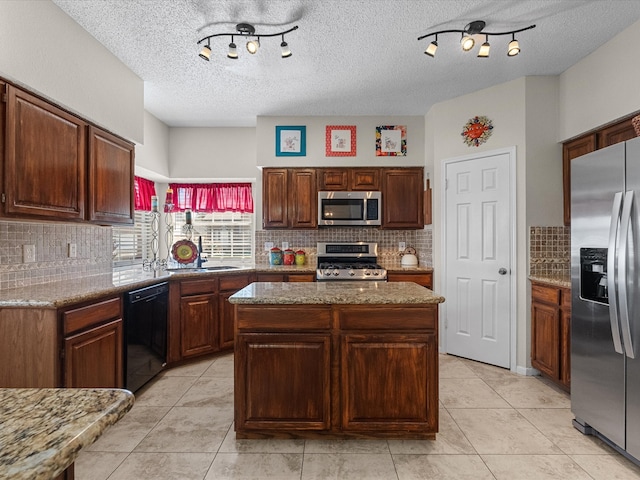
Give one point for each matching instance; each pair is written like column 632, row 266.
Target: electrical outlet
column 402, row 246
column 268, row 246
column 72, row 250
column 28, row 253
column 285, row 245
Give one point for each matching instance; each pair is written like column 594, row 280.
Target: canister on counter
column 289, row 256
column 301, row 257
column 275, row 256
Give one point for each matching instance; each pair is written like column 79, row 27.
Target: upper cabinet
column 111, row 167
column 402, row 198
column 45, row 159
column 290, row 195
column 363, row 179
column 615, row 133
column 289, row 198
column 57, row 167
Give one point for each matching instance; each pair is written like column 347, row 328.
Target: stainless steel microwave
column 349, row 208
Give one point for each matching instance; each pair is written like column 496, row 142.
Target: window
column 132, row 244
column 225, row 235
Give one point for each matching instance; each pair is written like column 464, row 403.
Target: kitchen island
column 43, row 429
column 336, row 360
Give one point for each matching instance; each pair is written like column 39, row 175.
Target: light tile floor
column 493, row 425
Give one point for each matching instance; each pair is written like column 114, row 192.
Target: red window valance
column 213, row 197
column 144, row 190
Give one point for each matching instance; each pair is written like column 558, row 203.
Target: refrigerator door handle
column 622, row 273
column 611, row 272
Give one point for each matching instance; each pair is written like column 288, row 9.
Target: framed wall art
column 340, row 141
column 391, row 140
column 291, row 141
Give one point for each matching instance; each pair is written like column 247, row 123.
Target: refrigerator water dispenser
column 593, row 275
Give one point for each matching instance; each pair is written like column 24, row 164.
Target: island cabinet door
column 389, row 382
column 283, row 381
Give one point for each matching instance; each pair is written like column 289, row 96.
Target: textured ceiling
column 350, row 57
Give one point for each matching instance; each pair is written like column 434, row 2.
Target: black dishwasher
column 145, row 331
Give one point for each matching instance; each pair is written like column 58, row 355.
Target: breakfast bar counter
column 336, row 360
column 42, row 430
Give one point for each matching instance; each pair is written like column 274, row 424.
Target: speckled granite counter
column 555, row 280
column 274, row 293
column 44, row 429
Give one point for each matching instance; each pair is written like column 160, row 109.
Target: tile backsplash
column 387, row 241
column 93, row 243
column 550, row 251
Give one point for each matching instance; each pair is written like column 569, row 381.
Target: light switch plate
column 72, row 250
column 402, row 246
column 268, row 246
column 28, row 253
column 285, row 245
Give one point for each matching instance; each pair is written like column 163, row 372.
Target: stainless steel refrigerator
column 605, row 312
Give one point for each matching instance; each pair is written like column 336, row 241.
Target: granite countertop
column 68, row 292
column 563, row 281
column 44, row 429
column 357, row 293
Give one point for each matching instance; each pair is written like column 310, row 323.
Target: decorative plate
column 477, row 131
column 184, row 251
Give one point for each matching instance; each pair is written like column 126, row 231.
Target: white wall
column 365, row 141
column 44, row 50
column 602, row 87
column 517, row 110
column 152, row 157
column 213, row 153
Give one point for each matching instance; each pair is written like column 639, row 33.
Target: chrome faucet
column 200, row 260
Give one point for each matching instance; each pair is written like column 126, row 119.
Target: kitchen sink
column 202, row 269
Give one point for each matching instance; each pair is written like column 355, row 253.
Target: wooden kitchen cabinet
column 45, row 159
column 299, row 399
column 551, row 332
column 617, row 132
column 402, row 198
column 111, row 171
column 286, row 277
column 93, row 345
column 58, row 167
column 336, row 371
column 289, row 198
column 198, row 317
column 421, row 278
column 228, row 285
column 364, row 179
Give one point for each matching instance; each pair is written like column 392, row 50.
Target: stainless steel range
column 349, row 261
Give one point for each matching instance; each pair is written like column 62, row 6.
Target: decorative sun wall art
column 477, row 131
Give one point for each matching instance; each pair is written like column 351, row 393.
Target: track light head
column 205, row 53
column 233, row 52
column 514, row 47
column 431, row 49
column 467, row 42
column 484, row 48
column 253, row 46
column 286, row 51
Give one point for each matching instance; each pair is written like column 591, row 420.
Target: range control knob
column 351, row 272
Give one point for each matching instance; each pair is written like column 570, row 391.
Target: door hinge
column 62, row 354
column 446, row 183
column 3, row 198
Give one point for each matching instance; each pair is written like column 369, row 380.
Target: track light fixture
column 467, row 41
column 253, row 44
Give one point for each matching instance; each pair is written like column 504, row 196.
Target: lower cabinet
column 288, row 381
column 93, row 345
column 387, row 382
column 286, row 277
column 551, row 332
column 202, row 323
column 421, row 278
column 339, row 371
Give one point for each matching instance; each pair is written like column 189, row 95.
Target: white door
column 478, row 243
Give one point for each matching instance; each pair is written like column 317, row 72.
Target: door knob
column 502, row 271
